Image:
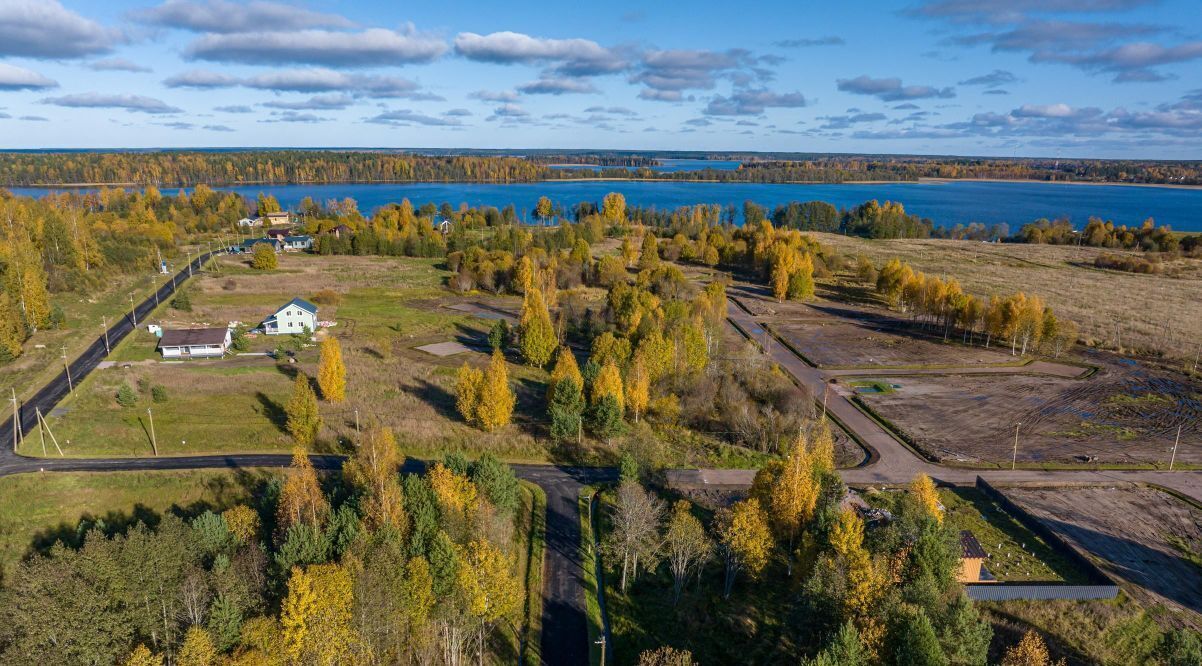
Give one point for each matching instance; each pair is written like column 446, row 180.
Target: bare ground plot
column 1132, row 533
column 835, row 334
column 1124, row 414
column 839, row 343
column 1114, row 308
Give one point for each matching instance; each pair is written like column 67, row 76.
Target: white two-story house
column 298, row 316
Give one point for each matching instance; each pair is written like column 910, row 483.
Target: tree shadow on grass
column 442, row 400
column 273, row 410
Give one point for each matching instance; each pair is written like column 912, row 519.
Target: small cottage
column 298, row 242
column 249, row 222
column 278, row 219
column 248, row 246
column 972, row 559
column 194, row 343
column 298, row 316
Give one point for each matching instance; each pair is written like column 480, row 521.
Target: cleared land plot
column 1113, row 308
column 1140, row 535
column 36, row 510
column 838, row 343
column 1127, row 413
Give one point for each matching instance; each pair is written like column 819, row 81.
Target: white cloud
column 225, row 17
column 19, row 78
column 95, row 100
column 46, row 29
column 367, row 48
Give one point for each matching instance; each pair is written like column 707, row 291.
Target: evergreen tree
column 605, row 417
column 499, row 336
column 845, row 649
column 913, row 640
column 304, row 421
column 331, row 372
column 566, row 410
column 963, row 634
column 496, row 482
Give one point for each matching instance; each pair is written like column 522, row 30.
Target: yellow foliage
column 455, row 493
column 304, row 421
column 794, row 496
column 486, row 579
column 301, row 499
column 537, row 339
column 638, row 387
column 822, row 449
column 467, row 391
column 1030, row 651
column 373, row 469
column 745, row 534
column 142, row 656
column 922, row 491
column 607, row 347
column 565, row 368
column 495, row 407
column 197, row 649
column 331, row 372
column 608, row 383
column 242, row 522
column 316, row 615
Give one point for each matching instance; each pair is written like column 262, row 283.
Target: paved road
column 897, row 464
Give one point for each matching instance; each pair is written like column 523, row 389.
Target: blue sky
column 1091, row 78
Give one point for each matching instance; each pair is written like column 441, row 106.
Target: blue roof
column 293, row 239
column 302, row 304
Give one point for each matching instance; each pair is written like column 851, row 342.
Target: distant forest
column 185, row 168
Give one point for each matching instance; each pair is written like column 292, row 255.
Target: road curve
column 897, row 464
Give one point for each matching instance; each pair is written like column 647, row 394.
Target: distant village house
column 278, row 219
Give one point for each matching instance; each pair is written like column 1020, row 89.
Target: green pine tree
column 566, row 409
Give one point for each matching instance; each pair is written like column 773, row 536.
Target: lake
column 946, row 203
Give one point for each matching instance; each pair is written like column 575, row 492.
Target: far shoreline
column 711, row 181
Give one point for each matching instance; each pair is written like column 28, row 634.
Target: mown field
column 38, row 509
column 1118, row 310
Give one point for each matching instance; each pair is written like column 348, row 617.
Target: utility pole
column 153, row 442
column 826, row 388
column 133, row 310
column 1175, row 443
column 189, row 263
column 356, row 420
column 602, row 644
column 48, row 431
column 1014, row 460
column 67, row 368
column 104, row 326
column 16, row 422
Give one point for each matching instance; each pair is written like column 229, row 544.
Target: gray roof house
column 297, row 316
column 194, row 343
column 302, row 242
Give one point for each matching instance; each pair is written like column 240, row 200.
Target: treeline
column 176, row 168
column 186, row 168
column 361, row 568
column 1103, row 233
column 945, row 307
column 72, row 243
